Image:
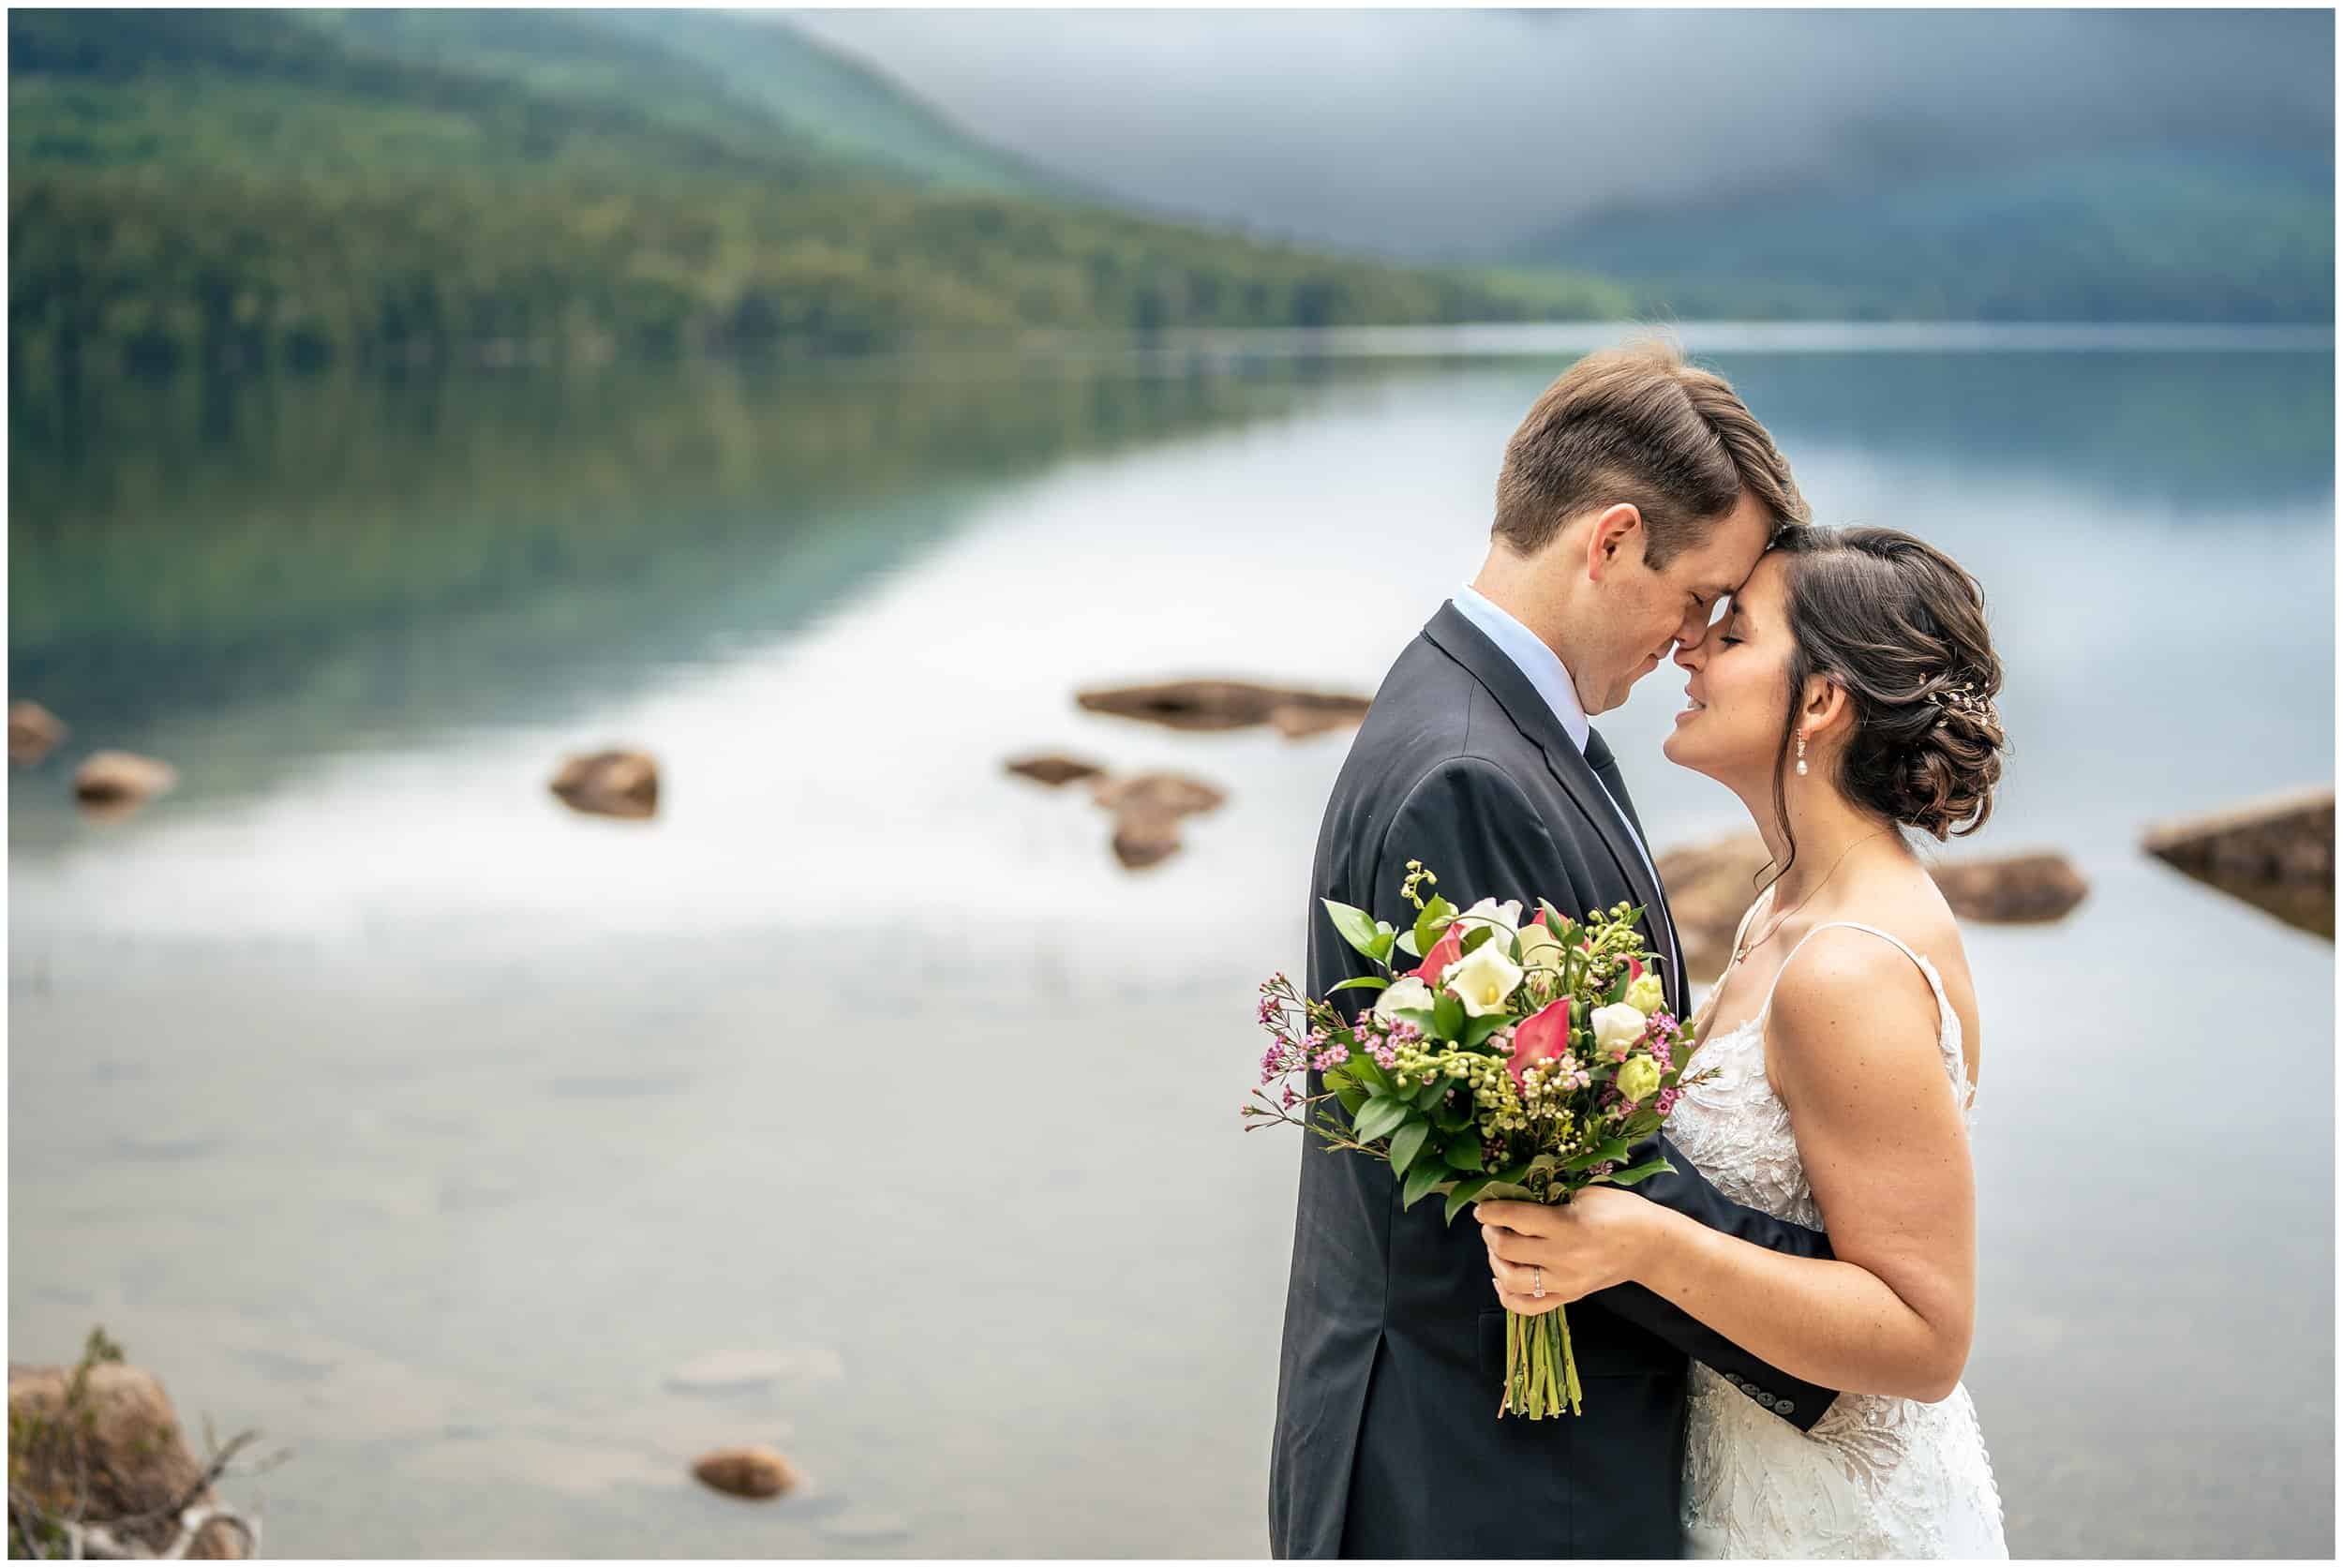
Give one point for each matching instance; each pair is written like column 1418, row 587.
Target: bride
column 1846, row 694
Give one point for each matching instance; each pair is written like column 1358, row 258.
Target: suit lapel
column 1469, row 646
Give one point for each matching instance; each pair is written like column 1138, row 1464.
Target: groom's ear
column 1616, row 539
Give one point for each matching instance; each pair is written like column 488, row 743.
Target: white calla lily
column 1540, row 947
column 1492, row 915
column 1484, row 980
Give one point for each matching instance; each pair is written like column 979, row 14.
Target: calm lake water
column 377, row 1101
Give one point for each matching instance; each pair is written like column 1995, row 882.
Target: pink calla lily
column 1540, row 1038
column 1445, row 951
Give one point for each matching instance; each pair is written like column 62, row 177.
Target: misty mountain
column 239, row 188
column 2164, row 164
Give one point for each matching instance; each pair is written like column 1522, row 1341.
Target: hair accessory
column 1961, row 698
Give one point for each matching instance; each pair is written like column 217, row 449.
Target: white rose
column 1485, row 979
column 1616, row 1027
column 1490, row 915
column 1406, row 992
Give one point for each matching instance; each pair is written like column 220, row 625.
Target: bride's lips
column 1692, row 706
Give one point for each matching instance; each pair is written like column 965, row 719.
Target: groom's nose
column 1688, row 655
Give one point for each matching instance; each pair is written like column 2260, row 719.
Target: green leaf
column 1368, row 1070
column 1433, row 1093
column 1477, row 1031
column 1448, row 1016
column 1514, row 1174
column 1431, row 922
column 1383, row 1113
column 1613, row 1150
column 1419, row 1180
column 1509, row 1192
column 1452, row 1115
column 1407, row 943
column 1462, row 1154
column 1357, row 925
column 1364, row 982
column 1408, row 1142
column 1420, row 1017
column 1351, row 1095
column 1462, row 1194
column 1479, row 936
column 1384, row 938
column 1641, row 1172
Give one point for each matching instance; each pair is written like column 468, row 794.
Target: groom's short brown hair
column 1638, row 425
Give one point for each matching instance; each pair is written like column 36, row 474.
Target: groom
column 1637, row 493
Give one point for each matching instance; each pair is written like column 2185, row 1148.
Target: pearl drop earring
column 1801, row 754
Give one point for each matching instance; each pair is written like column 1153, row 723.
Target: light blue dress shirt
column 1543, row 667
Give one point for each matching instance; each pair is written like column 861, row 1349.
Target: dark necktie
column 1605, row 766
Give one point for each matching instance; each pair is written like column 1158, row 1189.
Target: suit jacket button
column 1735, row 1379
column 1764, row 1399
column 1783, row 1407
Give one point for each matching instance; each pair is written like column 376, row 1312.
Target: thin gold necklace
column 1744, row 949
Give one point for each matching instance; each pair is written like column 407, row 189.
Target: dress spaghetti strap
column 1948, row 1022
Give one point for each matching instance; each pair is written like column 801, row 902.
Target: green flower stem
column 1569, row 1359
column 1541, row 1367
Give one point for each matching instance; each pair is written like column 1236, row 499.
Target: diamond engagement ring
column 1537, row 1283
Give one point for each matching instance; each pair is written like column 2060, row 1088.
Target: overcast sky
column 1482, row 125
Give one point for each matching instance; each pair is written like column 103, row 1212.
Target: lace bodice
column 1876, row 1476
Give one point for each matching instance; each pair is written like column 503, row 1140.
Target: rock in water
column 1053, row 770
column 1710, row 887
column 33, row 733
column 610, row 783
column 132, row 1459
column 1147, row 809
column 2276, row 854
column 2013, row 889
column 750, row 1472
column 121, row 779
column 1173, row 795
column 1144, row 841
column 1219, row 705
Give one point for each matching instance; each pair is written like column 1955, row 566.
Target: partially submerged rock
column 1223, row 705
column 1053, row 770
column 2012, row 889
column 1710, row 886
column 1144, row 841
column 121, row 779
column 615, row 783
column 1148, row 810
column 34, row 732
column 1173, row 795
column 110, row 1452
column 2276, row 853
column 753, row 1471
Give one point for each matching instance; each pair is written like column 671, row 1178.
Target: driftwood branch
column 40, row 1528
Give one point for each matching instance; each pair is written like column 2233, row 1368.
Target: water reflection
column 386, row 1104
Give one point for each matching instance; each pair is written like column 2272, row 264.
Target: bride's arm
column 1853, row 1041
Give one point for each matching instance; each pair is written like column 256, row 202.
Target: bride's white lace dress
column 1876, row 1477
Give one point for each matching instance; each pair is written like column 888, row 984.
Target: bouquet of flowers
column 1516, row 1061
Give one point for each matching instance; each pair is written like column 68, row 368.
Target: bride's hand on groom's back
column 1597, row 1240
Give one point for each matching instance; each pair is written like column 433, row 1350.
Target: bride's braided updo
column 1901, row 627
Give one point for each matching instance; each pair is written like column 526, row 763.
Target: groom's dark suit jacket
column 1387, row 1441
